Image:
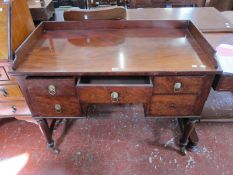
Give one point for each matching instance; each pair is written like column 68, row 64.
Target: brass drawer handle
column 4, row 92
column 14, row 109
column 114, row 97
column 57, row 108
column 52, row 89
column 177, row 86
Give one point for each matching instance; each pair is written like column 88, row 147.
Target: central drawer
column 130, row 89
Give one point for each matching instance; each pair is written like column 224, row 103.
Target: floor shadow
column 67, row 126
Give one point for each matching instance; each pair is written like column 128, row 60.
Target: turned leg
column 44, row 128
column 193, row 141
column 188, row 131
column 146, row 109
column 193, row 138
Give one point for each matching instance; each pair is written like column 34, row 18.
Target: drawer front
column 172, row 105
column 225, row 83
column 51, row 87
column 113, row 94
column 14, row 108
column 55, row 107
column 3, row 75
column 177, row 84
column 9, row 92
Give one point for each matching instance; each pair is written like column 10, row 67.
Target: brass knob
column 4, row 92
column 57, row 108
column 14, row 109
column 114, row 97
column 52, row 89
column 177, row 86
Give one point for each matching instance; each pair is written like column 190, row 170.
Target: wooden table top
column 107, row 50
column 205, row 18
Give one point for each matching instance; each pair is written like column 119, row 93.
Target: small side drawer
column 51, row 86
column 172, row 105
column 223, row 83
column 15, row 108
column 10, row 92
column 177, row 84
column 3, row 75
column 55, row 107
column 114, row 89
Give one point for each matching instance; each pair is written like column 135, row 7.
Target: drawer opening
column 116, row 80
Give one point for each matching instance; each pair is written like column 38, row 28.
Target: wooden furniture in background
column 165, row 3
column 41, row 10
column 221, row 5
column 206, row 19
column 109, row 13
column 12, row 102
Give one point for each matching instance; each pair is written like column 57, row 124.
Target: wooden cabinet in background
column 21, row 25
column 164, row 3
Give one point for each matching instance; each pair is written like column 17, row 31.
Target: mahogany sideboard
column 167, row 66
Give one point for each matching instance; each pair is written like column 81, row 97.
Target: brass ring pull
column 177, row 86
column 14, row 109
column 114, row 97
column 4, row 92
column 52, row 89
column 57, row 108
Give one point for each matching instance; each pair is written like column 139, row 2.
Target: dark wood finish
column 207, row 18
column 3, row 75
column 65, row 86
column 129, row 90
column 45, row 106
column 42, row 10
column 188, row 130
column 172, row 105
column 44, row 128
column 189, row 84
column 203, row 95
column 102, row 94
column 223, row 83
column 117, row 64
column 48, row 57
column 107, row 13
column 164, row 3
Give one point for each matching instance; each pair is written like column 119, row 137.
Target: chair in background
column 105, row 13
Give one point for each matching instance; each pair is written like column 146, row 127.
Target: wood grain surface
column 155, row 46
